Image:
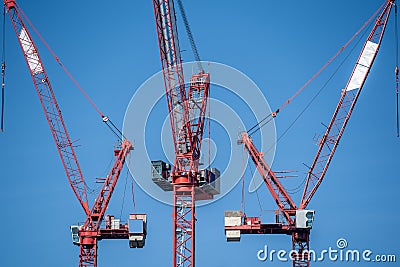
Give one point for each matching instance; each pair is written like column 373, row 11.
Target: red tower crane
column 297, row 221
column 87, row 235
column 187, row 108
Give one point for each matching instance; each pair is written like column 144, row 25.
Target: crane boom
column 90, row 232
column 49, row 104
column 285, row 203
column 101, row 203
column 344, row 109
column 171, row 61
column 236, row 223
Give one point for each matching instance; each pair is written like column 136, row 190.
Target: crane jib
column 49, row 105
column 344, row 109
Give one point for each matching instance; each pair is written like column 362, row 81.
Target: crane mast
column 187, row 110
column 85, row 236
column 297, row 221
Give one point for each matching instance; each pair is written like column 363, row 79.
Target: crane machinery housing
column 297, row 220
column 86, row 236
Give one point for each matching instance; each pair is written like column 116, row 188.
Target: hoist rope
column 3, row 70
column 324, row 86
column 132, row 182
column 243, row 171
column 273, row 114
column 209, row 133
column 106, row 119
column 97, row 186
column 123, row 196
column 298, row 188
column 258, row 197
column 133, row 194
column 396, row 33
column 259, row 125
column 190, row 35
column 60, row 63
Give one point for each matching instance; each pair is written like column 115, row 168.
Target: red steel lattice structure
column 326, row 150
column 90, row 233
column 49, row 104
column 341, row 116
column 187, row 114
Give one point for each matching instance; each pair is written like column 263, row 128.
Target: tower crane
column 187, row 110
column 87, row 235
column 297, row 219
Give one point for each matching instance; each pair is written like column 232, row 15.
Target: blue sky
column 112, row 49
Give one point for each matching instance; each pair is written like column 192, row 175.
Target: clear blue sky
column 111, row 48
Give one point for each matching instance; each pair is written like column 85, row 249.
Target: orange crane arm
column 344, row 109
column 49, row 104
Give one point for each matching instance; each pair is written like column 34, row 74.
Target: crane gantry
column 297, row 219
column 87, row 235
